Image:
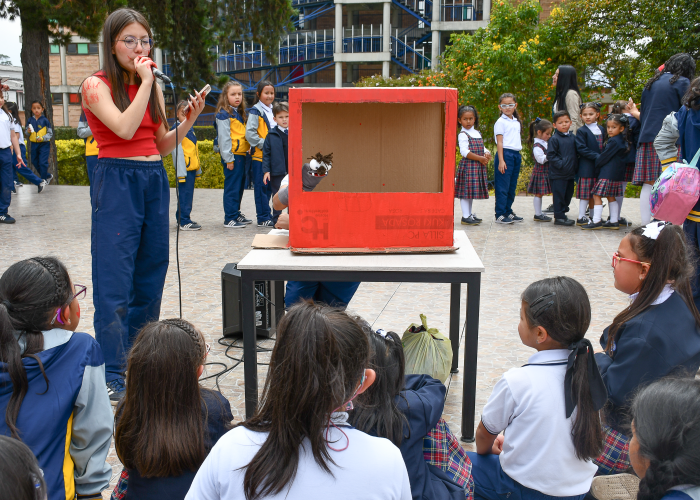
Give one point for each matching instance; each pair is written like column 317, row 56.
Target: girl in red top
column 130, row 203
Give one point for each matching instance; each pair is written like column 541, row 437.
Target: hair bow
column 599, row 393
column 538, row 119
column 623, row 119
column 383, row 334
column 653, row 229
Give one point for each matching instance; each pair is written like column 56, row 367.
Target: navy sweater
column 275, row 153
column 657, row 102
column 689, row 130
column 635, row 129
column 561, row 155
column 660, row 341
column 612, row 161
column 587, row 150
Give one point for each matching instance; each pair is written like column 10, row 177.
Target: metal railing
column 362, row 39
column 410, row 56
column 462, row 10
column 423, row 9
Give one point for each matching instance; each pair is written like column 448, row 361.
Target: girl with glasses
column 656, row 335
column 507, row 130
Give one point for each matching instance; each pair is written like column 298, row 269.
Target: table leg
column 471, row 345
column 455, row 291
column 250, row 361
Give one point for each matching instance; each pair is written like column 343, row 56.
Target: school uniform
column 539, row 180
column 471, row 179
column 7, row 160
column 610, row 168
column 232, row 145
column 257, row 128
column 25, row 171
column 635, row 128
column 589, row 146
column 187, row 169
column 563, row 165
column 276, row 161
column 682, row 492
column 40, row 148
column 538, row 460
column 506, row 182
column 92, row 151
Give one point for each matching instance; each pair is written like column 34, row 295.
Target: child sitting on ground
column 563, row 165
column 187, row 168
column 548, row 448
column 275, row 152
column 166, row 354
column 540, row 132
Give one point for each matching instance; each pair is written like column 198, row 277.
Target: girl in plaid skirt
column 625, row 108
column 540, row 132
column 589, row 145
column 470, row 182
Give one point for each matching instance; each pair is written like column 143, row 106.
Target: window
column 74, row 98
column 57, row 98
column 82, row 48
column 72, row 48
column 93, row 48
column 55, row 49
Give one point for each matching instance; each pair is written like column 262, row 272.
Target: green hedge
column 205, row 133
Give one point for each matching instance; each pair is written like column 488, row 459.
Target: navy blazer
column 660, row 341
column 587, row 150
column 657, row 102
column 274, row 155
column 635, row 128
column 612, row 161
column 561, row 155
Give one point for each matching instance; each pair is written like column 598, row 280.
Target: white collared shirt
column 593, row 127
column 528, row 403
column 283, row 130
column 6, row 128
column 464, row 140
column 540, row 156
column 269, row 114
column 509, row 128
column 663, row 296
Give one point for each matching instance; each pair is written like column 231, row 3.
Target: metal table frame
column 471, row 342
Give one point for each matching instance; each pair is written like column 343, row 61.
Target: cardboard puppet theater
column 390, row 179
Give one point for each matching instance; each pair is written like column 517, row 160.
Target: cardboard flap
column 271, row 241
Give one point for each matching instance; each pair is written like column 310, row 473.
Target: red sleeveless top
column 111, row 145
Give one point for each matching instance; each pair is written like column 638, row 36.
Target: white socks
column 614, row 208
column 466, row 207
column 537, row 203
column 582, row 206
column 597, row 213
column 620, row 198
column 645, row 204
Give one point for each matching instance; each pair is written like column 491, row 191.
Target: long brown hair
column 315, row 368
column 118, row 77
column 159, row 429
column 671, row 262
column 223, row 100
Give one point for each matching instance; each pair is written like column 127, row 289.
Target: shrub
column 65, row 133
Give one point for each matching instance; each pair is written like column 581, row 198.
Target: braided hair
column 678, row 65
column 30, row 292
column 190, row 330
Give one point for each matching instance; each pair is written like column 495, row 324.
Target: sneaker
column 611, row 225
column 542, row 218
column 116, row 390
column 234, row 224
column 564, row 222
column 18, row 184
column 470, row 221
column 615, row 487
column 548, row 210
column 6, row 219
column 583, row 221
column 515, row 218
column 476, row 218
column 49, row 178
column 41, row 186
column 192, row 226
column 243, row 220
column 593, row 225
column 504, row 220
column 266, row 223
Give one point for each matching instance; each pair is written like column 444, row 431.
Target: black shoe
column 564, row 222
column 243, row 220
column 503, row 220
column 542, row 218
column 624, row 222
column 477, row 219
column 191, row 226
column 611, row 225
column 266, row 223
column 593, row 225
column 582, row 221
column 515, row 218
column 234, row 224
column 7, row 219
column 470, row 221
column 549, row 210
column 116, row 390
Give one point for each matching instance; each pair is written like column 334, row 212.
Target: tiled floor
column 57, row 222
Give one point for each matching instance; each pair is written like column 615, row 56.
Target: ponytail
column 537, row 125
column 10, row 355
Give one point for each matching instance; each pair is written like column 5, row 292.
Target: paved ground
column 57, row 222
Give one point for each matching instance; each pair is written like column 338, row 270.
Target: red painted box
column 391, row 187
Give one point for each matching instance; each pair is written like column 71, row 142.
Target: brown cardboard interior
column 377, row 147
column 270, row 241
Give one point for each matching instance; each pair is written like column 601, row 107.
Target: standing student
column 507, row 163
column 662, row 95
column 130, row 205
column 568, row 95
column 40, row 134
column 549, row 408
column 563, row 165
column 589, row 144
column 625, row 108
column 540, row 132
column 610, row 170
column 8, row 144
column 471, row 179
column 260, row 122
column 233, row 148
column 298, row 445
column 187, row 170
column 91, row 149
column 19, row 132
column 275, row 162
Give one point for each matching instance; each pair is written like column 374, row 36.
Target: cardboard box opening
column 377, row 147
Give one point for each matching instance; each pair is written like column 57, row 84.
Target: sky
column 11, row 31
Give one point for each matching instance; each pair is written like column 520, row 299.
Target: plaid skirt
column 471, row 183
column 629, row 172
column 615, row 458
column 539, row 180
column 648, row 165
column 442, row 449
column 606, row 187
column 584, row 187
column 120, row 489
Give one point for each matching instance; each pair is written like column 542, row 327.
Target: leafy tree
column 5, row 60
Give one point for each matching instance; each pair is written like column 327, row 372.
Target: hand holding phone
column 193, row 100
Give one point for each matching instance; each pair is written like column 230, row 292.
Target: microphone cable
column 177, row 194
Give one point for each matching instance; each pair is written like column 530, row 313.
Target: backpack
column 676, row 191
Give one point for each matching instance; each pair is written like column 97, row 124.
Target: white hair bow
column 653, row 229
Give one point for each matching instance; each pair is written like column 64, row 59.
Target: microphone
column 160, row 75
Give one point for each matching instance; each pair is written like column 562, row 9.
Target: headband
column 594, row 104
column 599, row 394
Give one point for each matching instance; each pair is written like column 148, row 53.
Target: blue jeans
column 506, row 182
column 130, row 251
column 692, row 234
column 491, row 483
column 7, row 183
column 233, row 188
column 333, row 293
column 91, row 162
column 186, row 192
column 262, row 193
column 40, row 158
column 26, row 172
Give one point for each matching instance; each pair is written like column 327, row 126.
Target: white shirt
column 540, row 156
column 6, row 128
column 18, row 129
column 593, row 127
column 663, row 296
column 283, row 130
column 268, row 113
column 464, row 140
column 370, row 468
column 509, row 128
column 528, row 403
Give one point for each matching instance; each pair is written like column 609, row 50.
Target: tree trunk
column 35, row 72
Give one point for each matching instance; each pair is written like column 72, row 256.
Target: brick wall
column 74, row 111
column 58, row 115
column 80, row 67
column 55, row 69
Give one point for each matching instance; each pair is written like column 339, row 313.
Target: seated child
column 187, row 168
column 164, row 401
column 52, row 379
column 20, row 475
column 406, row 409
column 549, row 408
column 563, row 165
column 276, row 152
column 656, row 335
column 298, row 445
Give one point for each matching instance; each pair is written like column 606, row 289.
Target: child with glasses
column 52, row 379
column 656, row 335
column 507, row 130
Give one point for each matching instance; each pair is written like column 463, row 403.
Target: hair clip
column 383, row 334
column 538, row 119
column 653, row 229
column 581, row 106
column 540, row 310
column 623, row 119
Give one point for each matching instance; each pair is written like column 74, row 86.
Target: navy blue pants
column 248, row 184
column 491, row 483
column 186, row 193
column 25, row 171
column 130, row 248
column 262, row 193
column 91, row 162
column 7, row 183
column 233, row 188
column 40, row 158
column 505, row 183
column 333, row 293
column 692, row 233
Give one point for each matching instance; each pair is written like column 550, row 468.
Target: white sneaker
column 41, row 186
column 615, row 487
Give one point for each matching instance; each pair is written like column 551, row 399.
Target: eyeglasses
column 132, row 41
column 507, row 106
column 80, row 293
column 207, row 349
column 616, row 258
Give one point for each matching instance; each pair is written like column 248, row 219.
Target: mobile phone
column 205, row 90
